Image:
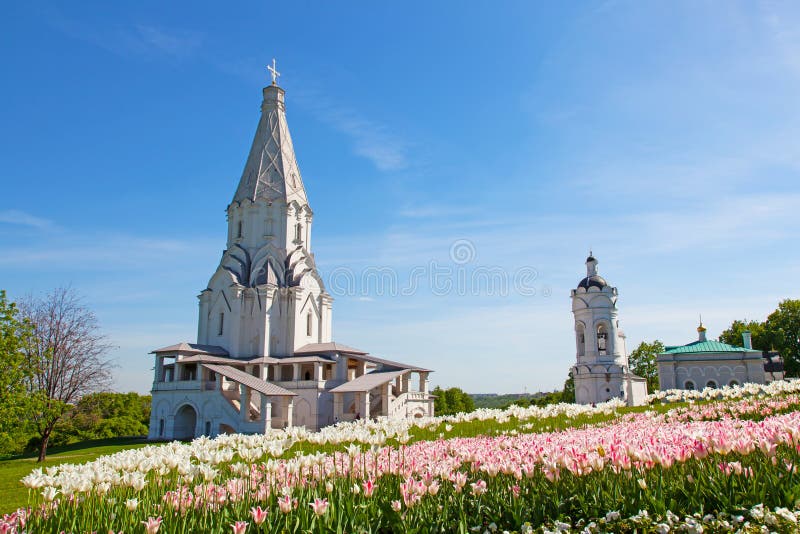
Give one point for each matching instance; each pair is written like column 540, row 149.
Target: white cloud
column 105, row 251
column 130, row 40
column 720, row 223
column 175, row 42
column 24, row 219
column 430, row 211
column 784, row 34
column 503, row 348
column 370, row 139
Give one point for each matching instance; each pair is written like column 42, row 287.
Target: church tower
column 265, row 358
column 601, row 371
column 266, row 298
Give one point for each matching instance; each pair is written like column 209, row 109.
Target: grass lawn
column 14, row 495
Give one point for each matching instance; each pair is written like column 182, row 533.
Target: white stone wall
column 720, row 369
column 597, row 387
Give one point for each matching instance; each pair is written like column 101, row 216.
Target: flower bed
column 725, row 393
column 719, row 460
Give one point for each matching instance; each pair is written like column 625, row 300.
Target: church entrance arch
column 185, row 422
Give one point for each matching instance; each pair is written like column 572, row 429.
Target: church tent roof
column 368, row 381
column 249, row 380
column 271, row 171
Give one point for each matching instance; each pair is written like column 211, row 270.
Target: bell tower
column 601, row 370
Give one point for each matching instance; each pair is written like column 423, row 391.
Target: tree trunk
column 43, row 446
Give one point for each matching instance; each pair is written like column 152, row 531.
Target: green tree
column 568, row 393
column 440, row 406
column 762, row 338
column 642, row 362
column 15, row 404
column 67, row 358
column 104, row 415
column 783, row 327
column 117, row 427
column 451, row 401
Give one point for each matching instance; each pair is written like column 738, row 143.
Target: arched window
column 298, row 232
column 602, row 340
column 711, row 384
column 239, row 230
column 161, row 427
column 581, row 334
column 688, row 385
column 307, row 376
column 309, row 324
column 733, row 383
column 221, row 325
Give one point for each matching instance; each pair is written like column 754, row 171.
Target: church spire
column 271, row 172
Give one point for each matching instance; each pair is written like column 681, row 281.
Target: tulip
column 478, row 488
column 319, row 506
column 369, row 488
column 285, row 504
column 49, row 493
column 239, row 527
column 259, row 515
column 152, row 524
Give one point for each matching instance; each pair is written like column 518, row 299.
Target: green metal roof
column 706, row 346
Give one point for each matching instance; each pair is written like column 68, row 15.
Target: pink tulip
column 397, row 506
column 239, row 527
column 459, row 480
column 478, row 488
column 259, row 515
column 410, row 499
column 369, row 488
column 152, row 524
column 285, row 504
column 319, row 506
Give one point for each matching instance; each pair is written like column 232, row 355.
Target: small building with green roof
column 707, row 363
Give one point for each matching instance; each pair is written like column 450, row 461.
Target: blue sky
column 663, row 135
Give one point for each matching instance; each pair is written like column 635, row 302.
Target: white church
column 601, row 372
column 265, row 356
